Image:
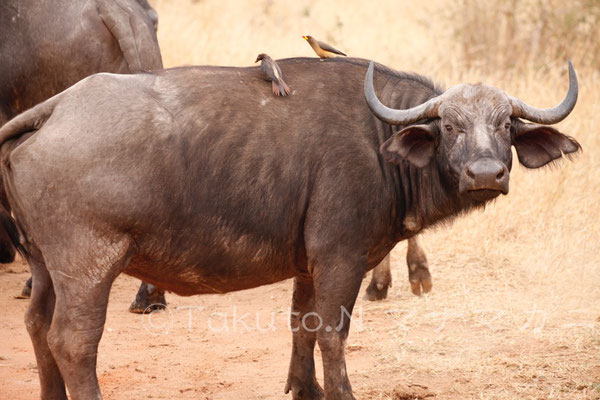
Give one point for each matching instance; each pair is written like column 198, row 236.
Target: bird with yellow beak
column 322, row 49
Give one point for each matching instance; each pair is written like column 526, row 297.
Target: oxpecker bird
column 273, row 72
column 322, row 49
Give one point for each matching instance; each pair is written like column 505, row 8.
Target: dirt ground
column 515, row 307
column 238, row 345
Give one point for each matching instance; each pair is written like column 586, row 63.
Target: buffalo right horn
column 548, row 116
column 429, row 109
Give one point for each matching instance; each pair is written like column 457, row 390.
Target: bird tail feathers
column 284, row 88
column 275, row 88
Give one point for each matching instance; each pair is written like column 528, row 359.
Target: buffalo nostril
column 484, row 174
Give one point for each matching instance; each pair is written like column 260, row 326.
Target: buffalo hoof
column 376, row 291
column 303, row 391
column 26, row 292
column 420, row 281
column 149, row 298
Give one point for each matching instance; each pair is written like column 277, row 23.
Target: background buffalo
column 48, row 46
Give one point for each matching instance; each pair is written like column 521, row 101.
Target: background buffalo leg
column 26, row 291
column 381, row 281
column 418, row 273
column 148, row 299
column 418, row 268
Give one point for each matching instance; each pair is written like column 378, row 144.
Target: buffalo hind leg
column 418, row 268
column 337, row 283
column 302, row 380
column 37, row 320
column 149, row 298
column 381, row 281
column 82, row 292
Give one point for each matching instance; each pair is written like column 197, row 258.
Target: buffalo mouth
column 482, row 195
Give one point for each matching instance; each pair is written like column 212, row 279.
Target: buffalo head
column 469, row 130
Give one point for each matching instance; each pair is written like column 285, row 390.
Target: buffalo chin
column 482, row 195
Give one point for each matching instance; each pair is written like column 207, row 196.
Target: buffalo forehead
column 474, row 102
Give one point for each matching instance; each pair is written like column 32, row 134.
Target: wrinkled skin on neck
column 426, row 190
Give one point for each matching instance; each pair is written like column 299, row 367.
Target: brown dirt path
column 439, row 346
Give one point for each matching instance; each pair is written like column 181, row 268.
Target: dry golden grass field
column 515, row 308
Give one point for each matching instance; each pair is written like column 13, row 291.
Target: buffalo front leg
column 37, row 320
column 149, row 298
column 337, row 283
column 302, row 380
column 381, row 281
column 418, row 268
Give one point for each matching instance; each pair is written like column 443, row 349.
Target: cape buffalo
column 200, row 181
column 47, row 46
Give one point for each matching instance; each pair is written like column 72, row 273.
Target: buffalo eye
column 448, row 128
column 507, row 126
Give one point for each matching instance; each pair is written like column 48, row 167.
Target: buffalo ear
column 537, row 145
column 415, row 144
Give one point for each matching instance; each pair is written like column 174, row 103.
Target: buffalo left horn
column 429, row 109
column 548, row 116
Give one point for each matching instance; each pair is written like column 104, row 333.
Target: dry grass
column 514, row 313
column 526, row 34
